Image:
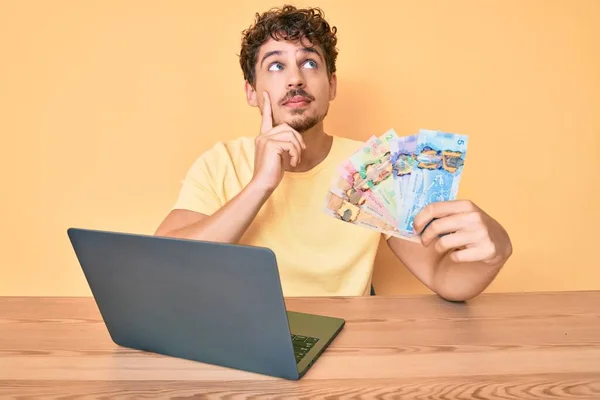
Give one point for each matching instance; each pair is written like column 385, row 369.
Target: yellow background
column 104, row 106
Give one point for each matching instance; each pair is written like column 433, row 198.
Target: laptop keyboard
column 302, row 345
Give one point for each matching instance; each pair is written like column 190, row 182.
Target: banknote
column 440, row 158
column 345, row 187
column 350, row 172
column 373, row 199
column 373, row 164
column 390, row 179
column 348, row 185
column 403, row 160
column 341, row 209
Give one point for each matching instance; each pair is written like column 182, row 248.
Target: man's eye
column 311, row 64
column 275, row 67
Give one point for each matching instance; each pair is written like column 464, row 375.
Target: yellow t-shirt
column 317, row 255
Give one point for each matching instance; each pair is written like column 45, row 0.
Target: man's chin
column 303, row 124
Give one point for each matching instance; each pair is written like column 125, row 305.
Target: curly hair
column 287, row 23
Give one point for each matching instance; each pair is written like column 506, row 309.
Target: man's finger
column 286, row 128
column 443, row 226
column 267, row 115
column 300, row 139
column 289, row 147
column 290, row 139
column 290, row 136
column 440, row 210
column 454, row 241
column 471, row 254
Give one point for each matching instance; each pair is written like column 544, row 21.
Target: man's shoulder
column 347, row 146
column 230, row 151
column 224, row 157
column 230, row 147
column 233, row 151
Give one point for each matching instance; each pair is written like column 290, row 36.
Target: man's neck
column 318, row 145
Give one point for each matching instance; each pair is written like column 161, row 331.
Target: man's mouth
column 297, row 101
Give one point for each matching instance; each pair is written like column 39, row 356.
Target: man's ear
column 250, row 94
column 332, row 86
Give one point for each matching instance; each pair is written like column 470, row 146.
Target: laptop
column 216, row 303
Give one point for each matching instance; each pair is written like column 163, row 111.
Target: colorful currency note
column 341, row 209
column 373, row 164
column 371, row 201
column 440, row 158
column 390, row 179
column 348, row 185
column 344, row 187
column 403, row 161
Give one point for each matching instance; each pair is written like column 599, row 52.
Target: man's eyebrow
column 310, row 50
column 269, row 54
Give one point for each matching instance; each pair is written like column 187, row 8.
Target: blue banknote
column 435, row 177
column 403, row 161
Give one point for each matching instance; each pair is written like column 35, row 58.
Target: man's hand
column 464, row 230
column 462, row 249
column 277, row 150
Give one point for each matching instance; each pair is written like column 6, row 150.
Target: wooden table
column 497, row 346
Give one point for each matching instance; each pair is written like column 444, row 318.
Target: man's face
column 296, row 79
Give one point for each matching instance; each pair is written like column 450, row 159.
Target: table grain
column 496, row 346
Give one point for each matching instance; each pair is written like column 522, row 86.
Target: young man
column 269, row 189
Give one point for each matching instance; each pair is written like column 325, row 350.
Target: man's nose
column 295, row 84
column 296, row 80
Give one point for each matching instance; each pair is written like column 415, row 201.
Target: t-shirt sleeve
column 197, row 191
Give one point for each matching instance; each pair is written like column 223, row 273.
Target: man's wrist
column 258, row 190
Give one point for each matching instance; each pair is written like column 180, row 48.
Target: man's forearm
column 462, row 281
column 230, row 222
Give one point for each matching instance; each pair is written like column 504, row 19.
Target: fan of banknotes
column 385, row 184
